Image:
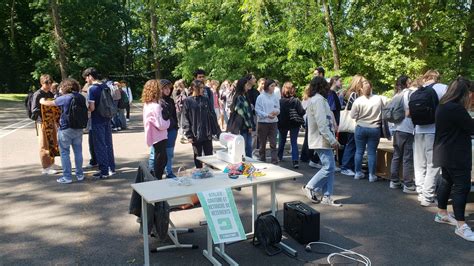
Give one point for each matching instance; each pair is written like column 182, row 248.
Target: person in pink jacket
column 156, row 126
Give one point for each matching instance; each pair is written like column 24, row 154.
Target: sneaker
column 171, row 175
column 428, row 203
column 128, row 120
column 64, row 180
column 445, row 219
column 49, row 171
column 55, row 167
column 314, row 165
column 296, row 164
column 373, row 178
column 420, row 197
column 395, row 184
column 111, row 173
column 98, row 175
column 310, row 195
column 114, row 128
column 465, row 232
column 89, row 166
column 337, row 169
column 327, row 200
column 348, row 172
column 409, row 189
column 359, row 175
column 80, row 178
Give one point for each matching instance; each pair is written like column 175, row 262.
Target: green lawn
column 12, row 97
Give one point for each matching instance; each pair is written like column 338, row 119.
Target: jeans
column 67, row 138
column 103, row 147
column 370, row 137
column 248, row 141
column 293, row 140
column 116, row 122
column 172, row 134
column 199, row 148
column 402, row 153
column 457, row 184
column 349, row 153
column 426, row 175
column 323, row 180
column 267, row 131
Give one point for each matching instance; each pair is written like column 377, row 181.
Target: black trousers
column 93, row 160
column 198, row 148
column 128, row 111
column 306, row 153
column 160, row 158
column 457, row 183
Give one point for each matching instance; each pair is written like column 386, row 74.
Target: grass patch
column 12, row 97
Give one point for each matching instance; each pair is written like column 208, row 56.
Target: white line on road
column 15, row 129
column 12, row 125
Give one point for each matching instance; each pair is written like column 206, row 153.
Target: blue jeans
column 293, row 140
column 67, row 138
column 349, row 153
column 172, row 135
column 370, row 137
column 103, row 146
column 248, row 142
column 323, row 180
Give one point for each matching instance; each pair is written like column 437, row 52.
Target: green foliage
column 283, row 39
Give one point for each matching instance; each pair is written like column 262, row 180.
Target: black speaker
column 301, row 222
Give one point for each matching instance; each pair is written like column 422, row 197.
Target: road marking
column 10, row 131
column 12, row 125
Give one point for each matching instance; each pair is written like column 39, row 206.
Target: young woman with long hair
column 367, row 112
column 155, row 125
column 453, row 153
column 289, row 106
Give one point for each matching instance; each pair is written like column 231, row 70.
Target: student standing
column 321, row 138
column 452, row 152
column 170, row 108
column 68, row 136
column 128, row 91
column 155, row 125
column 267, row 108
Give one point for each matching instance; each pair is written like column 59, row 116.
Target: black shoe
column 98, row 175
column 295, row 164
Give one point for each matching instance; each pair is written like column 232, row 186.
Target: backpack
column 123, row 102
column 28, row 104
column 422, row 105
column 394, row 111
column 77, row 115
column 106, row 107
column 179, row 102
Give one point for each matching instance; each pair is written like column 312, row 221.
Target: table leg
column 254, row 207
column 146, row 248
column 273, row 199
column 220, row 250
column 208, row 253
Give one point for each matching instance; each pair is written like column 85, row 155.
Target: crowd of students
column 263, row 112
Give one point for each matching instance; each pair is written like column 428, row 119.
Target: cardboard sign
column 222, row 216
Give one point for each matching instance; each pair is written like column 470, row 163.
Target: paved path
column 44, row 223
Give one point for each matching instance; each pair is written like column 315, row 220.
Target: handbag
column 235, row 123
column 346, row 122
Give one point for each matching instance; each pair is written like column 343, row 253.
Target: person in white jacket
column 321, row 138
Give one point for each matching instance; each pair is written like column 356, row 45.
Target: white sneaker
column 337, row 169
column 111, row 173
column 359, row 175
column 420, row 197
column 409, row 190
column 445, row 219
column 49, row 171
column 128, row 120
column 395, row 185
column 314, row 165
column 465, row 232
column 348, row 172
column 372, row 178
column 329, row 201
column 80, row 178
column 428, row 203
column 310, row 195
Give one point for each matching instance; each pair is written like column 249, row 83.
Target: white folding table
column 167, row 189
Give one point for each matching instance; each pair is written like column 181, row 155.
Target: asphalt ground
column 87, row 223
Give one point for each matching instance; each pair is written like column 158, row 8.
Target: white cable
column 345, row 253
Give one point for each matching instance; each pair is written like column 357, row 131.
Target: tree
column 332, row 36
column 58, row 36
column 154, row 39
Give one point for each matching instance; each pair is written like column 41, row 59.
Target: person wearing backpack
column 102, row 110
column 47, row 161
column 71, row 123
column 422, row 107
column 403, row 141
column 129, row 93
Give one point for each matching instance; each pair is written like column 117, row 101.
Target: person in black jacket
column 169, row 109
column 199, row 121
column 452, row 152
column 291, row 111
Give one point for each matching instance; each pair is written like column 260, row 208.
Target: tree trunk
column 466, row 49
column 154, row 39
column 58, row 36
column 332, row 36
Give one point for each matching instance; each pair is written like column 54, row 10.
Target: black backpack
column 106, row 107
column 422, row 105
column 28, row 104
column 123, row 102
column 78, row 117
